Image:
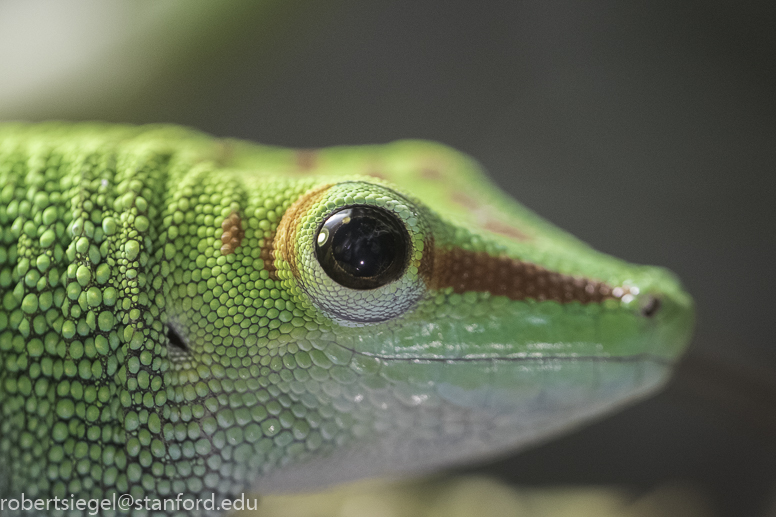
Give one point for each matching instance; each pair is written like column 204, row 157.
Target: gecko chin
column 475, row 410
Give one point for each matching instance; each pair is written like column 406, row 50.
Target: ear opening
column 175, row 341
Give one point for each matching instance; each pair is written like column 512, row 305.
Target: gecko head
column 436, row 340
column 337, row 325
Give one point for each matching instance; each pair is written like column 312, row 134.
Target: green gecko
column 198, row 316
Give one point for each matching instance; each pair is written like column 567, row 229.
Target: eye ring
column 377, row 293
column 362, row 247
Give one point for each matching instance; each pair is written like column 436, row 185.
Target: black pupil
column 362, row 247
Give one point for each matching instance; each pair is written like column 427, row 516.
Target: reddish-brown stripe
column 430, row 173
column 504, row 229
column 233, row 234
column 483, row 215
column 465, row 270
column 268, row 254
column 281, row 244
column 306, row 159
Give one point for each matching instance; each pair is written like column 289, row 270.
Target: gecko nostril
column 651, row 307
column 175, row 340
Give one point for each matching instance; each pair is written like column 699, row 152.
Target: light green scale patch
column 140, row 354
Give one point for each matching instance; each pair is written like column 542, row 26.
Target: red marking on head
column 375, row 173
column 306, row 159
column 464, row 200
column 504, row 229
column 430, row 173
column 233, row 234
column 267, row 254
column 465, row 270
column 283, row 243
column 482, row 216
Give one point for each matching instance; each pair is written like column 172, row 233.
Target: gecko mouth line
column 587, row 358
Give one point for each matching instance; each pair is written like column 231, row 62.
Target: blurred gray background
column 648, row 129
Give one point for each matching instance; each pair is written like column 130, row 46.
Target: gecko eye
column 357, row 251
column 362, row 247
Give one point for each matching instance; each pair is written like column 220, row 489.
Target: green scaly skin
column 111, row 245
